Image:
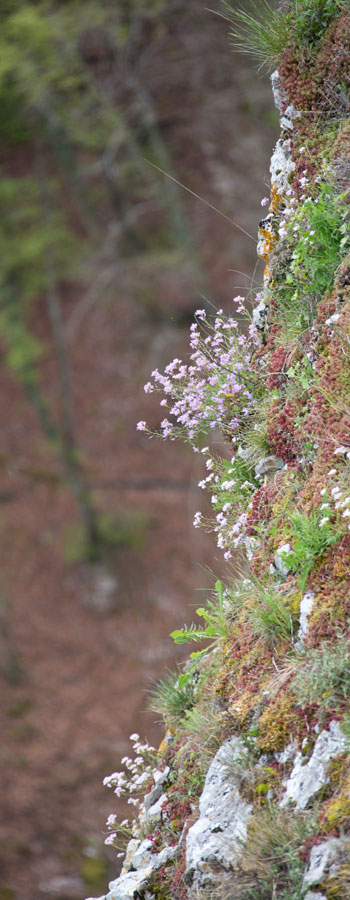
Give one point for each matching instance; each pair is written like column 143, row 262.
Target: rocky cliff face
column 249, row 794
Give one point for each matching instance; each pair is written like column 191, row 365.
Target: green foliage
column 264, row 29
column 255, row 440
column 324, row 675
column 215, row 629
column 309, row 539
column 203, row 727
column 311, row 18
column 235, row 482
column 322, row 225
column 271, row 862
column 25, row 241
column 270, row 615
column 261, row 30
column 171, row 698
column 302, row 375
column 318, row 235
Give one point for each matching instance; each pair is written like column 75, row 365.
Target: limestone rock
column 305, row 610
column 312, row 895
column 153, row 796
column 326, row 858
column 126, row 886
column 215, row 841
column 283, row 560
column 307, row 778
column 153, row 813
column 281, row 165
column 138, row 854
column 277, row 91
column 260, row 313
column 139, row 867
column 288, row 754
column 287, row 120
column 268, row 466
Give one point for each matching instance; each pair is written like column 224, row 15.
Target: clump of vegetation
column 310, row 537
column 172, row 699
column 318, row 238
column 271, row 864
column 271, row 615
column 216, row 629
column 265, row 29
column 324, row 676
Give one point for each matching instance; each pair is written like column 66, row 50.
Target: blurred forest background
column 103, row 260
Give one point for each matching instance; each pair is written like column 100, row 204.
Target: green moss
column 276, row 724
column 338, row 810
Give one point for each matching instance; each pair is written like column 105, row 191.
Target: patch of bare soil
column 81, row 644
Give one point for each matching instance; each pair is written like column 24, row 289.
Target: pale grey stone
column 161, row 776
column 277, row 90
column 251, row 544
column 126, row 886
column 305, row 610
column 153, row 796
column 287, row 120
column 138, row 868
column 154, row 813
column 312, row 895
column 215, row 841
column 264, row 226
column 333, row 319
column 283, row 560
column 281, row 166
column 137, row 854
column 307, row 778
column 287, row 754
column 269, row 465
column 326, row 857
column 260, row 315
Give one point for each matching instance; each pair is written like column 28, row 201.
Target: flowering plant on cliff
column 131, row 783
column 219, row 387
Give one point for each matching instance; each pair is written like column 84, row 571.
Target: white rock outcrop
column 325, row 861
column 283, row 560
column 312, row 895
column 305, row 610
column 215, row 841
column 307, row 778
column 140, row 865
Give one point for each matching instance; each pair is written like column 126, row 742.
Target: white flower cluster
column 139, row 771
